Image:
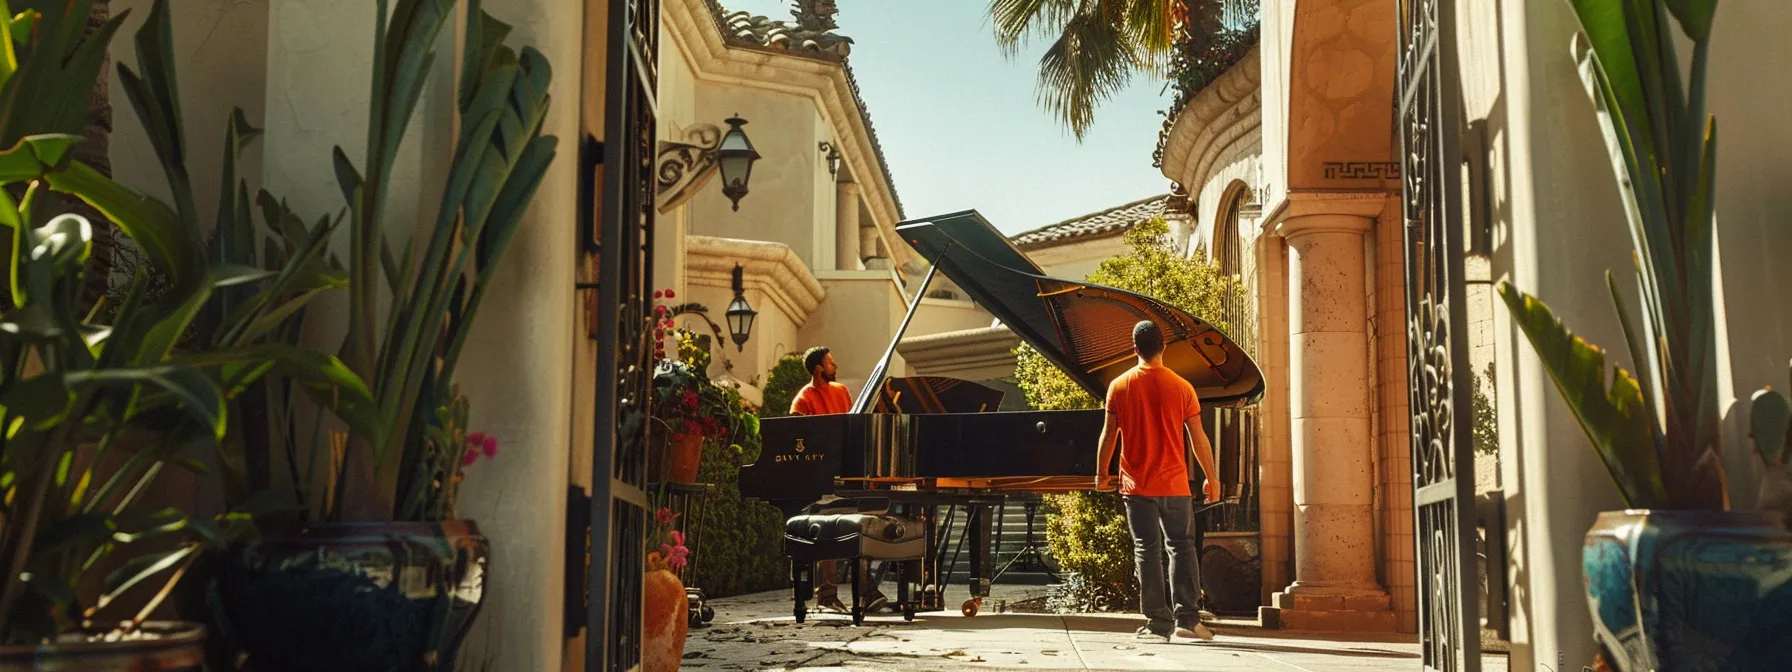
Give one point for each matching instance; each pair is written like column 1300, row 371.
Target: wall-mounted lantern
column 683, row 167
column 740, row 314
column 736, row 156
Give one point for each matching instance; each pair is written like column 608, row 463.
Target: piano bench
column 856, row 538
column 842, row 536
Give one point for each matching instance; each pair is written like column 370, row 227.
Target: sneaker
column 1145, row 634
column 831, row 603
column 1200, row 632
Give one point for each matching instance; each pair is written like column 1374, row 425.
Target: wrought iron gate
column 624, row 246
column 1437, row 348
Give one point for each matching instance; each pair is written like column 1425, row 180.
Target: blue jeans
column 1156, row 522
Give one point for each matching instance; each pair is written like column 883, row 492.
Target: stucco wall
column 220, row 56
column 856, row 323
column 1566, row 226
column 783, row 205
column 1754, row 215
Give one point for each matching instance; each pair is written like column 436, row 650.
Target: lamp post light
column 736, row 156
column 740, row 315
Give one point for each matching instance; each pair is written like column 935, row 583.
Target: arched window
column 1227, row 247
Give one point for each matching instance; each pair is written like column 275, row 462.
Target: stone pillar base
column 1365, row 612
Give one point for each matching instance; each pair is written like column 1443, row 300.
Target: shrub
column 782, row 384
column 1086, row 530
column 1087, row 535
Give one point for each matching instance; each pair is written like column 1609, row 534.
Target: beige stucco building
column 815, row 237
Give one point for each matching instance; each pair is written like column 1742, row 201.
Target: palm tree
column 1099, row 45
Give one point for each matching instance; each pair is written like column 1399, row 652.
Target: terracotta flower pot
column 162, row 647
column 666, row 621
column 353, row 596
column 686, row 452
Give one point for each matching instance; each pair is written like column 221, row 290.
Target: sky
column 961, row 127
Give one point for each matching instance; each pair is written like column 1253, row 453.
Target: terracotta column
column 1334, row 535
column 846, row 227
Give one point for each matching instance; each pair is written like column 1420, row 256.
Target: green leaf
column 169, row 243
column 76, row 531
column 42, row 400
column 1769, row 418
column 1615, row 419
column 36, row 155
column 141, row 568
column 1694, row 17
column 226, row 275
column 138, row 525
column 195, row 392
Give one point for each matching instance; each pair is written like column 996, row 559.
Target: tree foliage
column 1152, row 266
column 1086, row 531
column 1097, row 45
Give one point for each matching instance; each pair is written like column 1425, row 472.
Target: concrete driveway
column 756, row 632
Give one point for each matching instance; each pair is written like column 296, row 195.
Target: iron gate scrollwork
column 625, row 217
column 1437, row 349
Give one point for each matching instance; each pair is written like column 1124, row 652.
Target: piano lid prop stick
column 868, row 394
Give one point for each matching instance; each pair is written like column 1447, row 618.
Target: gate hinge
column 578, row 558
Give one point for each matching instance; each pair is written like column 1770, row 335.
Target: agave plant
column 1656, row 432
column 435, row 283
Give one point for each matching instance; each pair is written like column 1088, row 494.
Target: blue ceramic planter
column 1690, row 590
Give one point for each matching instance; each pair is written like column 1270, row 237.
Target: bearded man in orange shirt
column 1149, row 407
column 823, row 396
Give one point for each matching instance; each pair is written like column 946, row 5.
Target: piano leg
column 858, row 602
column 979, row 527
column 801, row 580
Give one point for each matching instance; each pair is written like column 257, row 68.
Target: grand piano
column 918, row 444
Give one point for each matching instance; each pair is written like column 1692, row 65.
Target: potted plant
column 664, row 619
column 101, row 400
column 371, row 566
column 688, row 409
column 1677, row 581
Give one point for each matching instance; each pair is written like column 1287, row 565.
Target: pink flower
column 470, row 457
column 678, row 538
column 659, row 293
column 678, row 558
column 665, row 516
column 669, row 294
column 489, row 444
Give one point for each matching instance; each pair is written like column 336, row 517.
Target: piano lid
column 1083, row 328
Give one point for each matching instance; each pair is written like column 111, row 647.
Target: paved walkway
column 756, row 632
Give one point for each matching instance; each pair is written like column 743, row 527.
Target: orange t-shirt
column 1149, row 405
column 821, row 401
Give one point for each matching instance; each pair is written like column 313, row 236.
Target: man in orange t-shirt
column 823, row 396
column 1149, row 408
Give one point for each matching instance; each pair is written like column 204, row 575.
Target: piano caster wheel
column 858, row 615
column 908, row 612
column 970, row 607
column 800, row 612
